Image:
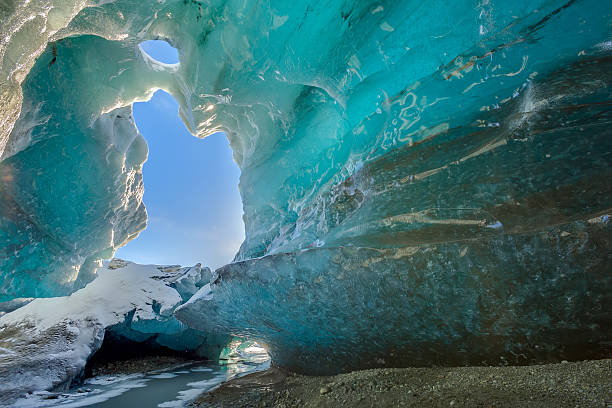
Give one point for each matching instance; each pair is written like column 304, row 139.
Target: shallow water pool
column 171, row 387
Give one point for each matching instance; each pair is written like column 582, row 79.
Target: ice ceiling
column 421, row 180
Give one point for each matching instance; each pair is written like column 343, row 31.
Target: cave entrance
column 191, row 186
column 191, row 192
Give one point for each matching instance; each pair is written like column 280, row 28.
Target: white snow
column 46, row 343
column 107, row 299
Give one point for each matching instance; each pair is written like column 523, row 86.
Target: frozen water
column 446, row 164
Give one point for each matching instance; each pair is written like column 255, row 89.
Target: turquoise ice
column 415, row 175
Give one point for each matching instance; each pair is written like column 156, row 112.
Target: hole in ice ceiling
column 160, row 51
column 191, row 192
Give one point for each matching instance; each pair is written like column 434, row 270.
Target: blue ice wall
column 462, row 138
column 440, row 253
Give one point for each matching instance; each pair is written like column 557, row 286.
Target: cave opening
column 190, row 192
column 191, row 186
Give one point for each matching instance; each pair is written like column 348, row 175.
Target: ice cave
column 423, row 183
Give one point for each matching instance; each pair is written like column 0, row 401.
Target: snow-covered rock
column 46, row 343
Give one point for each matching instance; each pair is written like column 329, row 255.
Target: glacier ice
column 446, row 164
column 335, row 309
column 46, row 343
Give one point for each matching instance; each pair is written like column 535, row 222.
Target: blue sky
column 191, row 188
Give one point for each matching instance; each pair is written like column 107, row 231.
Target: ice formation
column 415, row 175
column 46, row 343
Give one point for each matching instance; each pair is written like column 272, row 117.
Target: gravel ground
column 575, row 384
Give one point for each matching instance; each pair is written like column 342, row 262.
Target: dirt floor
column 574, row 384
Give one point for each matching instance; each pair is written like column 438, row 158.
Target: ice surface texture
column 467, row 142
column 335, row 309
column 46, row 343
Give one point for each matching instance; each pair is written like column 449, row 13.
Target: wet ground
column 567, row 384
